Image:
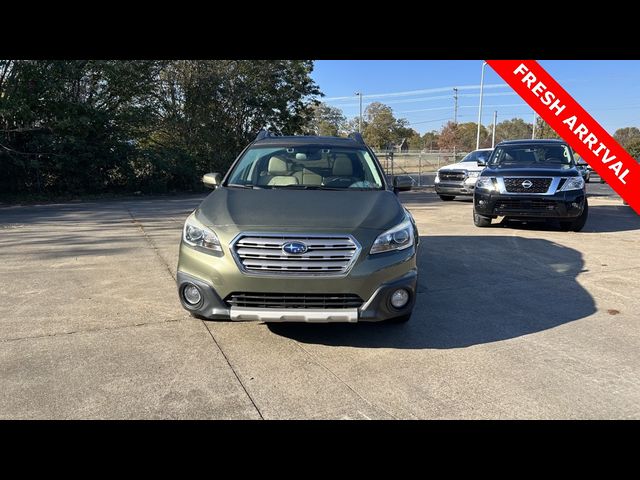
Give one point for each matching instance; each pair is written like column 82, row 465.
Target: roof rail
column 357, row 136
column 262, row 134
column 265, row 133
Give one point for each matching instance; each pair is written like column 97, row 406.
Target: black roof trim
column 533, row 140
column 307, row 140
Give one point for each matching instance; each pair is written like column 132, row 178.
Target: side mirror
column 211, row 180
column 402, row 183
column 482, row 162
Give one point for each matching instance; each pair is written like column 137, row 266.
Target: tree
column 103, row 125
column 430, row 140
column 544, row 130
column 626, row 136
column 416, row 142
column 633, row 147
column 380, row 128
column 448, row 138
column 463, row 136
column 326, row 120
column 513, row 129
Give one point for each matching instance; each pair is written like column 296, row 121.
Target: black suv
column 528, row 179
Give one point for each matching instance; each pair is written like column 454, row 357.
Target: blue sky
column 421, row 90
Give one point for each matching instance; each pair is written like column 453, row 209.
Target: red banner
column 556, row 107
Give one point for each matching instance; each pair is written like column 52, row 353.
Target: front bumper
column 465, row 187
column 560, row 205
column 377, row 306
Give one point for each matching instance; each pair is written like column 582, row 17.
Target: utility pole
column 455, row 105
column 533, row 133
column 493, row 135
column 359, row 94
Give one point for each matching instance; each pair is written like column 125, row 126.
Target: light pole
column 484, row 64
column 359, row 94
column 493, row 135
column 455, row 105
column 533, row 132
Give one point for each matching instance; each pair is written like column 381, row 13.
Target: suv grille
column 325, row 254
column 521, row 204
column 538, row 185
column 452, row 176
column 294, row 300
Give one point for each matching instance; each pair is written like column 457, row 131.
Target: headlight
column 573, row 183
column 437, row 179
column 197, row 235
column 473, row 174
column 397, row 238
column 485, row 183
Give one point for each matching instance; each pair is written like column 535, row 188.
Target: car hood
column 301, row 209
column 469, row 166
column 532, row 171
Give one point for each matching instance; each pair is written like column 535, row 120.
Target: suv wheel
column 480, row 220
column 577, row 224
column 447, row 198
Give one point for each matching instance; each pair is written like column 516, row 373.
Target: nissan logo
column 527, row 184
column 294, row 248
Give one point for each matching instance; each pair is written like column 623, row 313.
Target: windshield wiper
column 239, row 185
column 305, row 187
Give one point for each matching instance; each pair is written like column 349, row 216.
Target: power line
column 418, row 92
column 424, row 99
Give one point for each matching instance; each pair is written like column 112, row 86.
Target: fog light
column 400, row 298
column 191, row 294
column 481, row 202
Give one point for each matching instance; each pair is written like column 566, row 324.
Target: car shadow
column 602, row 219
column 472, row 290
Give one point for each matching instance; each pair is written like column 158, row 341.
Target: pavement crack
column 89, row 330
column 151, row 243
column 253, row 402
column 337, row 377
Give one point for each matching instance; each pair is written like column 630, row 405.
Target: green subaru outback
column 301, row 229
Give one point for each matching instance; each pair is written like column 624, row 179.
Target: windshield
column 531, row 155
column 477, row 155
column 306, row 167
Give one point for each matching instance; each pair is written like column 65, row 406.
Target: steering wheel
column 338, row 182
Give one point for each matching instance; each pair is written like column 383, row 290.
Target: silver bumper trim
column 310, row 315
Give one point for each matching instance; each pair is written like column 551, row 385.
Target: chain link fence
column 418, row 164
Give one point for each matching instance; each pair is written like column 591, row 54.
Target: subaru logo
column 527, row 184
column 294, row 248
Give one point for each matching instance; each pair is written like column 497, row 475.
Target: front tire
column 447, row 198
column 577, row 224
column 481, row 221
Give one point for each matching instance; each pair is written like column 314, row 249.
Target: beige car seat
column 278, row 173
column 342, row 167
column 307, row 177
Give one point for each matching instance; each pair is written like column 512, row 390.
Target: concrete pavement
column 514, row 321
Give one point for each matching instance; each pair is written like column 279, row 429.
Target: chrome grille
column 293, row 300
column 452, row 175
column 325, row 255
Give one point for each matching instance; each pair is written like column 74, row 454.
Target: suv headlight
column 197, row 235
column 397, row 238
column 473, row 174
column 573, row 183
column 485, row 183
